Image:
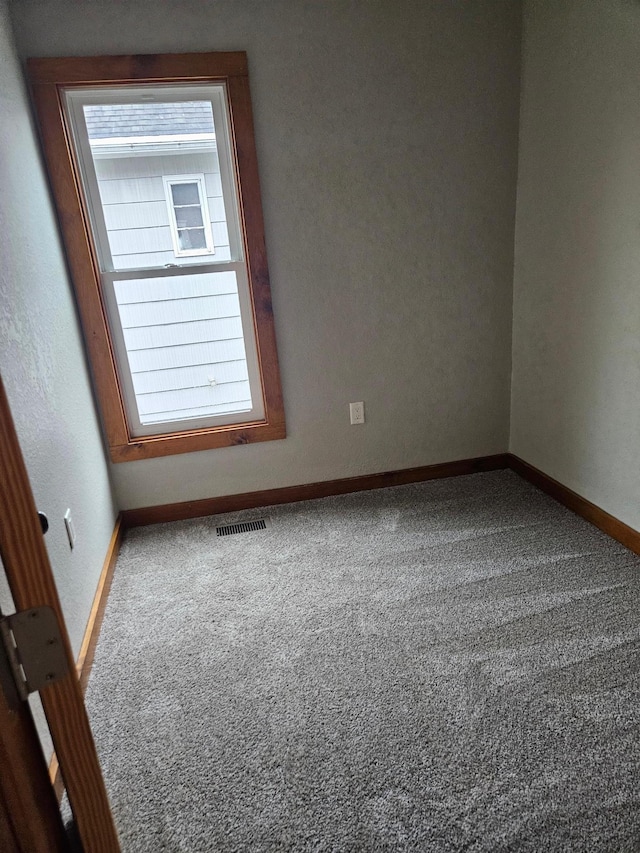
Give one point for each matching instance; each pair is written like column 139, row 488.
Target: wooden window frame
column 49, row 78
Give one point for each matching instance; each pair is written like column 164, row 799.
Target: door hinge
column 34, row 649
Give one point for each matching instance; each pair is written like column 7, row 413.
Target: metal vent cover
column 242, row 527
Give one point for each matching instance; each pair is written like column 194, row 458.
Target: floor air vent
column 241, row 527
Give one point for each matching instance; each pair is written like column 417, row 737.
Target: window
column 188, row 215
column 153, row 166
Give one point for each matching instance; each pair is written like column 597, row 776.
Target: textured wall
column 576, row 355
column 387, row 144
column 42, row 361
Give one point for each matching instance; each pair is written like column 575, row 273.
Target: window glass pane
column 134, row 148
column 185, row 347
column 193, row 238
column 189, row 217
column 185, row 194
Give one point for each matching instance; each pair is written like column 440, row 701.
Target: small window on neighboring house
column 188, row 215
column 153, row 167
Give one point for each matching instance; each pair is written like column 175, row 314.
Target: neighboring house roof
column 107, row 121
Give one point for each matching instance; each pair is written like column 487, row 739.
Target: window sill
column 149, row 447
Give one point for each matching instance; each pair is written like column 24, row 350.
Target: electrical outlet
column 71, row 531
column 356, row 410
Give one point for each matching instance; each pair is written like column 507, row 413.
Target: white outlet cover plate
column 356, row 411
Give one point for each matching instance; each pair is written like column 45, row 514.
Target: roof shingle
column 107, row 121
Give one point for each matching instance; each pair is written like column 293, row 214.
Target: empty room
column 320, row 356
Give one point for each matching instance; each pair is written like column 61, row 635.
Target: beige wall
column 42, row 361
column 387, row 145
column 576, row 355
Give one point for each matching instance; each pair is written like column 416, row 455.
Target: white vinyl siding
column 181, row 355
column 180, row 310
column 194, row 376
column 132, row 190
column 147, row 337
column 185, row 345
column 117, row 190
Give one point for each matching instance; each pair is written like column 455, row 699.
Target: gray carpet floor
column 449, row 666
